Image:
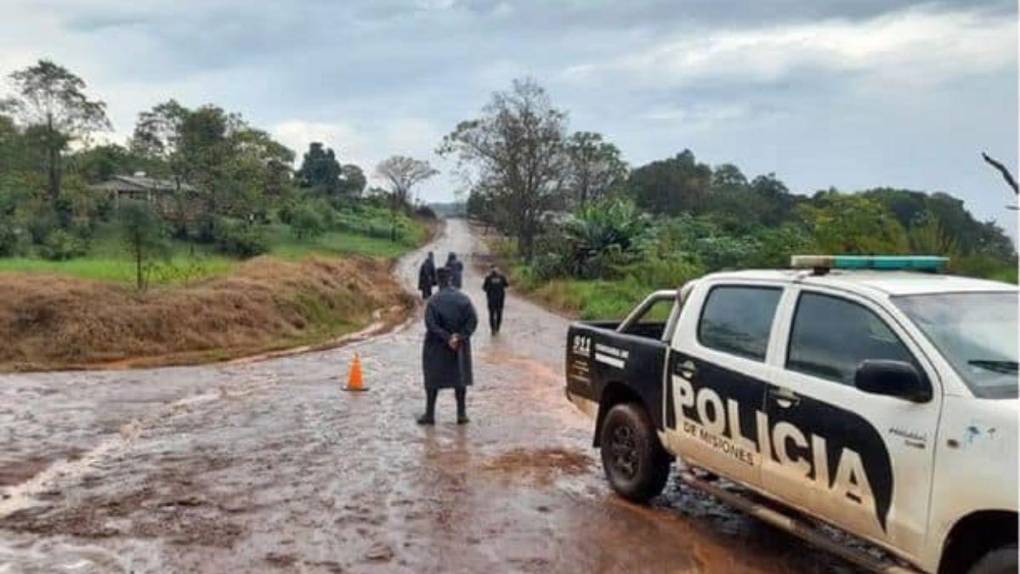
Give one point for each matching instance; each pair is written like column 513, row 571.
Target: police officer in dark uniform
column 450, row 320
column 427, row 276
column 495, row 286
column 456, row 268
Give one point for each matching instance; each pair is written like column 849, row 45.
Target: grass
column 595, row 299
column 108, row 259
column 285, row 245
column 178, row 269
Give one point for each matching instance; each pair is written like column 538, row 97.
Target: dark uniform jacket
column 449, row 311
column 426, row 275
column 456, row 268
column 495, row 288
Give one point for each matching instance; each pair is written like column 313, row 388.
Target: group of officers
column 450, row 320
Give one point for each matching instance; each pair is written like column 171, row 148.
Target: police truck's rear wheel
column 634, row 462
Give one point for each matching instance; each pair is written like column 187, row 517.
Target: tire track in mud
column 29, row 493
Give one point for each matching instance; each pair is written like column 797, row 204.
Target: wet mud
column 268, row 466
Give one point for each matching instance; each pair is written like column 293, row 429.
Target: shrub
column 664, row 273
column 725, row 252
column 285, row 214
column 83, row 229
column 543, row 267
column 601, row 237
column 183, row 272
column 239, row 239
column 984, row 266
column 9, row 238
column 306, row 222
column 40, row 224
column 61, row 246
column 776, row 245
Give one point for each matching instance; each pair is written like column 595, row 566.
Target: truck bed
column 601, row 360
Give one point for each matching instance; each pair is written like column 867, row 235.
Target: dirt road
column 269, row 466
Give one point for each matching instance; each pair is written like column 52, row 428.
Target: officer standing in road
column 427, row 276
column 456, row 268
column 495, row 286
column 450, row 320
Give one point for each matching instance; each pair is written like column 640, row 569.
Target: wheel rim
column 623, row 452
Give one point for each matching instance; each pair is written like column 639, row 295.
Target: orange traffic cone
column 355, row 379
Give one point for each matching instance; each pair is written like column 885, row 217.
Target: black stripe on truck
column 598, row 358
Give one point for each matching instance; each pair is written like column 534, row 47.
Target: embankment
column 58, row 322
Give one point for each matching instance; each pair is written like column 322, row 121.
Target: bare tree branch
column 1003, row 170
column 402, row 173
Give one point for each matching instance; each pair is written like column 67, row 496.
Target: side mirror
column 892, row 378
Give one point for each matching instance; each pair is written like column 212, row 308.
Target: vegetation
column 51, row 104
column 262, row 306
column 143, row 235
column 232, row 189
column 593, row 238
column 514, row 156
column 402, row 174
column 215, row 192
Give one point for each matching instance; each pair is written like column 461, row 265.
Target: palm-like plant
column 602, row 235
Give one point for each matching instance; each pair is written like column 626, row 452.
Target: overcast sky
column 846, row 93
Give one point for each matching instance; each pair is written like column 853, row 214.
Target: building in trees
column 139, row 187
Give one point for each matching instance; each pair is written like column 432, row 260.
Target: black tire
column 1002, row 560
column 635, row 464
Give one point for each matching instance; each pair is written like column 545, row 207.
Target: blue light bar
column 876, row 262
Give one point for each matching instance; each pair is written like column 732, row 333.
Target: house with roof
column 139, row 186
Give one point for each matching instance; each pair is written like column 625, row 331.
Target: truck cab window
column 651, row 323
column 831, row 336
column 738, row 320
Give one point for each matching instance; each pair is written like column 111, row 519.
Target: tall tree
column 102, row 162
column 773, row 197
column 401, row 174
column 353, row 180
column 514, row 153
column 320, row 169
column 257, row 171
column 230, row 168
column 671, row 186
column 157, row 137
column 595, row 167
column 51, row 101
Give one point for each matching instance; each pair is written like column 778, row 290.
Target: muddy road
column 269, row 466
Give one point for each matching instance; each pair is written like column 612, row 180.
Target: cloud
column 298, row 134
column 917, row 47
column 368, row 144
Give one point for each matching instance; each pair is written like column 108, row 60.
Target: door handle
column 784, row 397
column 688, row 369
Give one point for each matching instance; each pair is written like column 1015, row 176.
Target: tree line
column 229, row 179
column 569, row 198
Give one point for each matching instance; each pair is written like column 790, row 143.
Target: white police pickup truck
column 860, row 392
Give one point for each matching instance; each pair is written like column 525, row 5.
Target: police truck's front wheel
column 635, row 463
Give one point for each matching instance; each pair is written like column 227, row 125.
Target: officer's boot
column 462, row 406
column 429, row 418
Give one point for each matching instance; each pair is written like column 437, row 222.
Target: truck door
column 862, row 461
column 717, row 375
